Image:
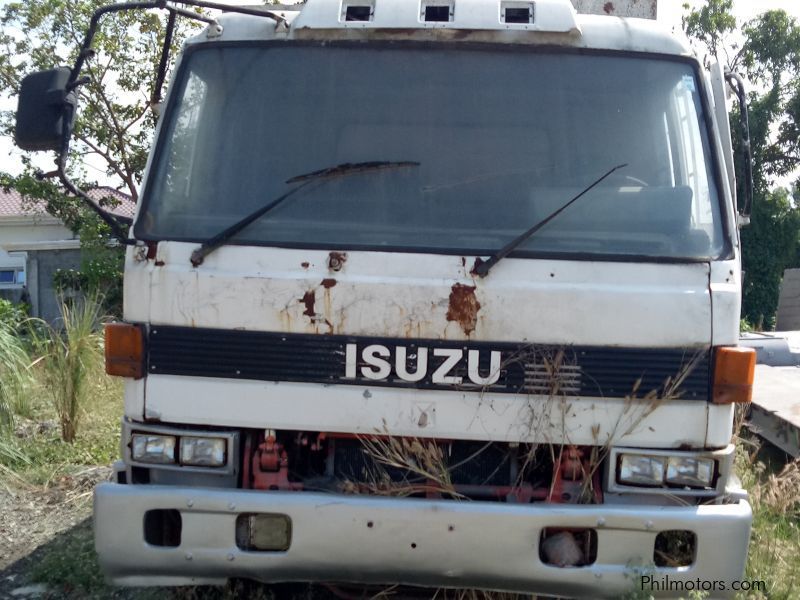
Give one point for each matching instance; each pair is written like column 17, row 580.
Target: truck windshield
column 502, row 136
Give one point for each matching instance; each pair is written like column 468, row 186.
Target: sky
column 669, row 12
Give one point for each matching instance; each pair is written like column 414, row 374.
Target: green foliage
column 15, row 375
column 13, row 315
column 770, row 58
column 114, row 122
column 69, row 354
column 710, row 23
column 770, row 245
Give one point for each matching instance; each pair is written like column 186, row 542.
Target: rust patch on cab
column 463, row 307
column 308, row 299
column 336, row 260
column 608, row 7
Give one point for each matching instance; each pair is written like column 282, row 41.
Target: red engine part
column 270, row 467
column 573, row 476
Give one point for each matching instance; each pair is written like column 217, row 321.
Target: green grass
column 41, row 455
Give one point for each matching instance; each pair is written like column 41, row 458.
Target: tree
column 770, row 58
column 115, row 120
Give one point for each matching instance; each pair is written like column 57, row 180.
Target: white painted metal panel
column 423, row 413
column 410, row 296
column 549, row 15
column 726, row 301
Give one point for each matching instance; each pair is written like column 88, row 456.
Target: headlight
column 203, row 451
column 153, row 448
column 639, row 469
column 691, row 472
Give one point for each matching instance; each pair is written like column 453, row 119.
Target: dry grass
column 774, row 487
column 422, row 460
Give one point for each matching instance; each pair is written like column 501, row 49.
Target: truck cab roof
column 541, row 22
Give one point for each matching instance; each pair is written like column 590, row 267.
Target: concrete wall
column 789, row 302
column 642, row 9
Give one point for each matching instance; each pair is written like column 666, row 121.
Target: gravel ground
column 30, row 517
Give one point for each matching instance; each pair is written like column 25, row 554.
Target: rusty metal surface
column 642, row 9
column 463, row 307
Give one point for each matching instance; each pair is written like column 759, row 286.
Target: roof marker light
column 358, row 11
column 436, row 11
column 517, row 13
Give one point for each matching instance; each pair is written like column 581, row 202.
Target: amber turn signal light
column 734, row 368
column 124, row 350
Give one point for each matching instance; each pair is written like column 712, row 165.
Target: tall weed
column 15, row 375
column 69, row 352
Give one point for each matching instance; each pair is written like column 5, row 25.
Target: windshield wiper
column 482, row 267
column 305, row 179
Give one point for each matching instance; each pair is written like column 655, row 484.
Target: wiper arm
column 482, row 267
column 305, row 179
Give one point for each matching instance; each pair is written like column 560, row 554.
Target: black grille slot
column 524, row 368
column 469, row 463
column 358, row 13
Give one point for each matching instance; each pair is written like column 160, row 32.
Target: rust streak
column 308, row 299
column 328, row 283
column 463, row 307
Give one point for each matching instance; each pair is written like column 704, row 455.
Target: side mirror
column 45, row 110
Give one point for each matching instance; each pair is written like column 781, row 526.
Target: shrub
column 69, row 353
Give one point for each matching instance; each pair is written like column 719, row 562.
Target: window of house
column 12, row 271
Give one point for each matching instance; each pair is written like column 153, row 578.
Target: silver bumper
column 411, row 541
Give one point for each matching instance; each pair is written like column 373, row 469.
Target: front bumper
column 433, row 543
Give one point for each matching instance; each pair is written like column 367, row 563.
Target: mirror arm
column 114, row 222
column 155, row 97
column 736, row 83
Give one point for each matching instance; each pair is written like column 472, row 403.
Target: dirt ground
column 31, row 517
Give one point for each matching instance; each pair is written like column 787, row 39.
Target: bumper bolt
column 648, row 525
column 231, row 506
column 190, row 503
column 229, row 557
column 598, row 575
column 601, row 522
column 189, row 556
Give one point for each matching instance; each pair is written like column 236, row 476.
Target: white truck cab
column 436, row 292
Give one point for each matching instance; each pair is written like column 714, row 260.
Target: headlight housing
column 641, row 469
column 688, row 471
column 151, row 448
column 669, row 471
column 203, row 451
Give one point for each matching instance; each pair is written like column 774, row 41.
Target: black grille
column 525, row 368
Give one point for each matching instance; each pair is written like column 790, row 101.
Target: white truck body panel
column 407, row 296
